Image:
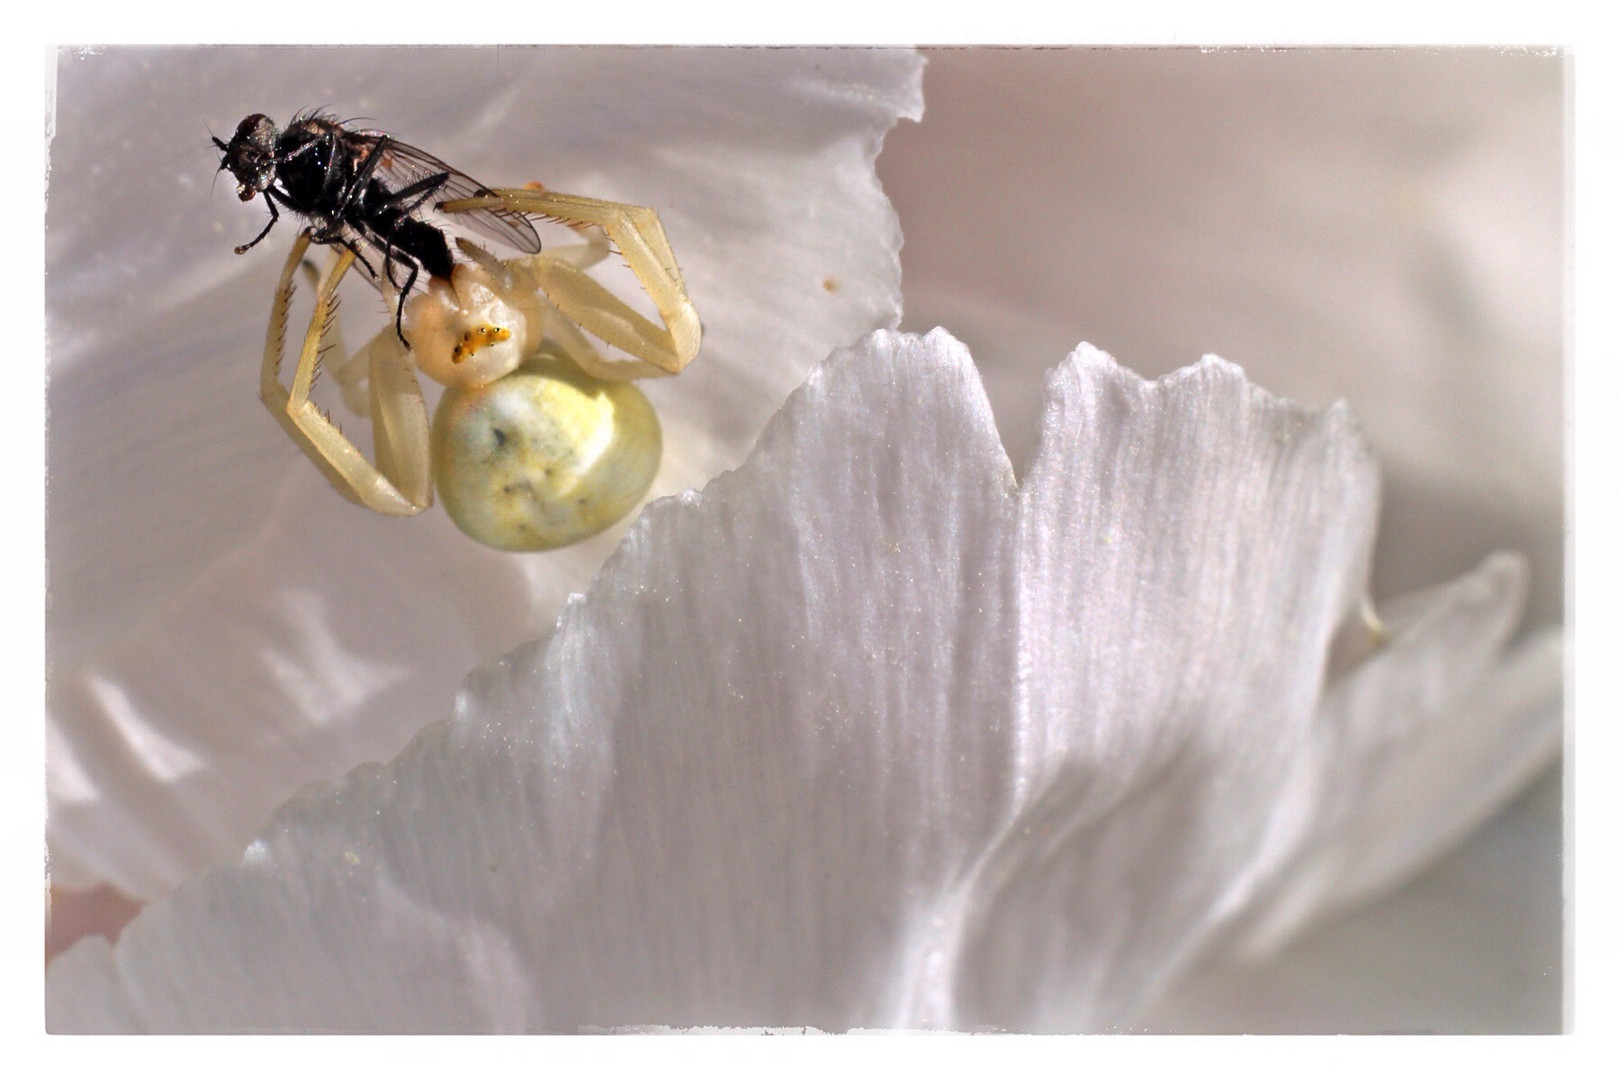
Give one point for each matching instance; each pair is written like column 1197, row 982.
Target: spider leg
column 335, row 234
column 349, row 369
column 639, row 236
column 400, row 483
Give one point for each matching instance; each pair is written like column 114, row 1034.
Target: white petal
column 251, row 620
column 1190, row 547
column 730, row 789
column 1472, row 946
column 1403, row 765
column 1382, row 226
column 860, row 736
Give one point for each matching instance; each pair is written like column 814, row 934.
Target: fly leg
column 399, row 306
column 241, row 249
column 398, row 207
column 362, row 176
column 419, row 193
column 371, row 271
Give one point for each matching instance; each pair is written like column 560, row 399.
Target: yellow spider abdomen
column 543, row 457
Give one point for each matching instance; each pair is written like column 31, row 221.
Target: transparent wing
column 402, row 165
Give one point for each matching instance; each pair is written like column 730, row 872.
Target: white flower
column 864, row 734
column 868, row 735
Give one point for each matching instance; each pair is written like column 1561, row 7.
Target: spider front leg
column 639, row 236
column 400, row 482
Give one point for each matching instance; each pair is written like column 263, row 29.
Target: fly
column 361, row 188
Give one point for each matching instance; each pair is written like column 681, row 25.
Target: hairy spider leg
column 588, row 305
column 400, row 482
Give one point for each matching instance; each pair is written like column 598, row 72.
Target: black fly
column 361, row 188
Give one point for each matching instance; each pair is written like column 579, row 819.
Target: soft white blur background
column 1379, row 225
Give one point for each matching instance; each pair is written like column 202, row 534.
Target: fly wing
column 402, row 165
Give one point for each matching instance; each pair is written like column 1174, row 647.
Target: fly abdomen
column 421, row 241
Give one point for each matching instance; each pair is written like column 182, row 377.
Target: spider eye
column 544, row 457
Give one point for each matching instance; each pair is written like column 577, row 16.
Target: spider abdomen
column 545, row 456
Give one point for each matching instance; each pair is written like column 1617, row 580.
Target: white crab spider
column 540, row 440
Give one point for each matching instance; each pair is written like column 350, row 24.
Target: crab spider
column 540, row 439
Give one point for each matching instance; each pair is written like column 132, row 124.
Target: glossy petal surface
column 865, row 735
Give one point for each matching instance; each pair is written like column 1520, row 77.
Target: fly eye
column 244, row 192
